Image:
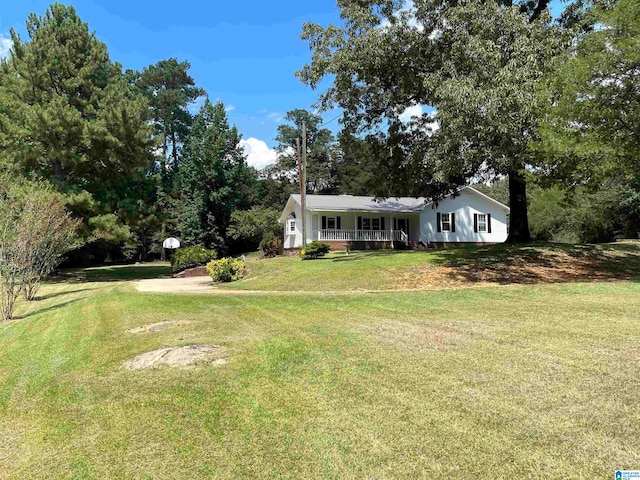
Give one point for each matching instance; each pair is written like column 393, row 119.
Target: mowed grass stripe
column 525, row 382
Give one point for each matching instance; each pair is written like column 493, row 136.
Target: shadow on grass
column 347, row 258
column 46, row 309
column 540, row 263
column 59, row 294
column 115, row 273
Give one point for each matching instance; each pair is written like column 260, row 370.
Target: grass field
column 526, row 380
column 463, row 267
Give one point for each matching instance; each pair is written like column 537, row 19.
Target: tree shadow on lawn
column 48, row 309
column 114, row 273
column 59, row 294
column 539, row 263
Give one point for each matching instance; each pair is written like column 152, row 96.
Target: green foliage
column 226, row 269
column 213, row 180
column 269, row 245
column 590, row 133
column 170, row 90
column 35, row 231
column 580, row 214
column 475, row 63
column 548, row 212
column 190, row 257
column 498, row 190
column 251, row 226
column 68, row 114
column 315, row 249
column 320, row 153
column 591, row 123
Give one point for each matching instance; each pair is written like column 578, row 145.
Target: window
column 482, row 222
column 369, row 223
column 445, row 222
column 291, row 227
column 331, row 223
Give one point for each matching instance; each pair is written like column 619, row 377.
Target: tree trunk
column 163, row 253
column 174, row 149
column 30, row 289
column 8, row 294
column 518, row 218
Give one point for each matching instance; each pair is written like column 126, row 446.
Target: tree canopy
column 474, row 65
column 213, row 180
column 68, row 114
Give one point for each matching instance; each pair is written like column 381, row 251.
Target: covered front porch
column 366, row 227
column 362, row 236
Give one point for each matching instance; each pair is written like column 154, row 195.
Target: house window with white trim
column 482, row 222
column 375, row 224
column 366, row 224
column 445, row 222
column 331, row 223
column 291, row 226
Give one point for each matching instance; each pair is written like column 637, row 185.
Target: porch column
column 355, row 226
column 393, row 245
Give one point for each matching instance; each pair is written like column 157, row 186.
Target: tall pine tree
column 68, row 115
column 213, row 180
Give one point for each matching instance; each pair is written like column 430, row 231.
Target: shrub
column 269, row 245
column 315, row 249
column 191, row 257
column 226, row 269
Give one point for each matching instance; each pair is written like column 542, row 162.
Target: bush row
column 226, row 269
column 190, row 257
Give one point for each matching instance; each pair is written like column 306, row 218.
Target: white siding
column 293, row 240
column 464, row 206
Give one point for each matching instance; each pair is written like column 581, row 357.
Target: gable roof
column 479, row 194
column 347, row 203
column 353, row 203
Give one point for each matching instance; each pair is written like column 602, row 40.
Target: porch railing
column 362, row 235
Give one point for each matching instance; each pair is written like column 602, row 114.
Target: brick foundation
column 342, row 246
column 457, row 244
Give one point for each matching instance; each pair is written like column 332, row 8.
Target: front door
column 403, row 224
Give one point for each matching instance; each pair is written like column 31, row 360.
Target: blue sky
column 244, row 54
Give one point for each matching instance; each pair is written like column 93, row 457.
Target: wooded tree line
column 515, row 95
column 510, row 98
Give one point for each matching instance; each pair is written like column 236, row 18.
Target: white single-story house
column 361, row 222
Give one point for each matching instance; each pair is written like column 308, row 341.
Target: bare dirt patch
column 156, row 327
column 417, row 338
column 176, row 285
column 181, row 357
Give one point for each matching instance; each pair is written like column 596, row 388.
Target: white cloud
column 229, row 108
column 408, row 10
column 410, row 112
column 5, row 46
column 259, row 155
column 275, row 117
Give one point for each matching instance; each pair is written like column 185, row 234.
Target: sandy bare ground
column 199, row 285
column 204, row 285
column 176, row 285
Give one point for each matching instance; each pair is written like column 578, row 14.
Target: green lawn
column 392, row 270
column 525, row 381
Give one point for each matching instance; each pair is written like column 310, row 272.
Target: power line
column 332, row 120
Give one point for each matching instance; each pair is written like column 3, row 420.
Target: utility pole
column 304, row 184
column 302, row 189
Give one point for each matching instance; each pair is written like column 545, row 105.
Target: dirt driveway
column 201, row 285
column 176, row 285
